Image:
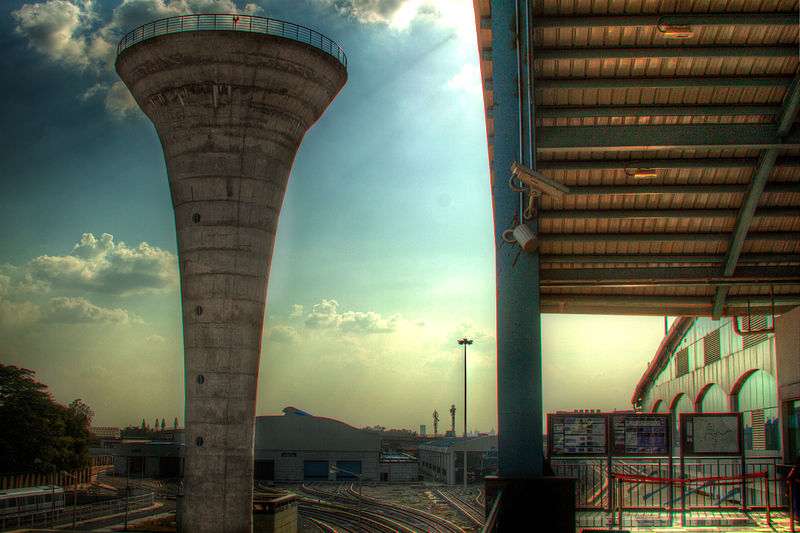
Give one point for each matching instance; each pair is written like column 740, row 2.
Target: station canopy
column 674, row 126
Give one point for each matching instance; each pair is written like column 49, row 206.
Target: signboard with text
column 640, row 434
column 577, row 434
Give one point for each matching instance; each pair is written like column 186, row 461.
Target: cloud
column 468, row 80
column 156, row 339
column 103, row 266
column 326, row 315
column 119, row 101
column 297, row 311
column 400, row 14
column 353, row 321
column 73, row 34
column 57, row 29
column 285, row 334
column 80, row 310
column 14, row 315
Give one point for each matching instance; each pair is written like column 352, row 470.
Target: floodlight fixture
column 677, row 31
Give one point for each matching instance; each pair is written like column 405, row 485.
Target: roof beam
column 777, row 187
column 603, row 164
column 663, row 83
column 681, row 276
column 669, row 260
column 666, row 52
column 641, row 214
column 721, row 237
column 658, row 305
column 661, row 137
column 766, row 162
column 655, row 110
column 674, row 19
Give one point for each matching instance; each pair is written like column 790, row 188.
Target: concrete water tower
column 231, row 97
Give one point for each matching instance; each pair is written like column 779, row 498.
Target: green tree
column 34, row 426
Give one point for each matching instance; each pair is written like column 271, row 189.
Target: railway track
column 396, row 518
column 465, row 506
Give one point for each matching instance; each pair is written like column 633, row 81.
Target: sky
column 384, row 255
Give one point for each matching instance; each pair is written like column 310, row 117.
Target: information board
column 640, row 434
column 711, row 433
column 577, row 434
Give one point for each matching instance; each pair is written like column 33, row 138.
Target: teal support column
column 519, row 344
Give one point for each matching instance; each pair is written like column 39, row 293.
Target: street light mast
column 465, row 341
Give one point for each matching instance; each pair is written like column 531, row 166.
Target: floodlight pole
column 465, row 341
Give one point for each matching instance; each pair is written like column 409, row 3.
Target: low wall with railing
column 245, row 23
column 44, row 518
column 592, row 488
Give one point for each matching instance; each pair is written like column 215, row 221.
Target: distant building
column 705, row 365
column 423, row 429
column 291, row 448
column 443, row 459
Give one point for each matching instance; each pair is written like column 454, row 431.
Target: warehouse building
column 744, row 364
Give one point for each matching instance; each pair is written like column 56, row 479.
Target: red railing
column 246, row 23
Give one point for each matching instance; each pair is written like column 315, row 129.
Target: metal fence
column 592, row 488
column 44, row 518
column 245, row 23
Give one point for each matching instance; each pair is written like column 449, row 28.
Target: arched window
column 680, row 404
column 757, row 400
column 713, row 400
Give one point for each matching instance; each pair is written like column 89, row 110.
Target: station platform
column 696, row 521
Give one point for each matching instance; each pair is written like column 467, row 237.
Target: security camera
column 537, row 181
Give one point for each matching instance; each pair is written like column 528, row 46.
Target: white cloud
column 468, row 79
column 297, row 311
column 72, row 34
column 156, row 339
column 285, row 334
column 101, row 265
column 324, row 315
column 13, row 314
column 56, row 29
column 400, row 14
column 119, row 101
column 354, row 321
column 80, row 310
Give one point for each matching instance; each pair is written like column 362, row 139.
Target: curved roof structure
column 673, row 125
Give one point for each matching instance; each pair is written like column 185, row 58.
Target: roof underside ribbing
column 713, row 117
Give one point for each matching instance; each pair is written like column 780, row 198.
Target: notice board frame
column 667, row 424
column 687, row 445
column 551, row 421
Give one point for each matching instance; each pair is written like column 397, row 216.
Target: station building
column 443, row 459
column 745, row 364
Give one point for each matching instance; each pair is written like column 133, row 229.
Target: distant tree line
column 36, row 432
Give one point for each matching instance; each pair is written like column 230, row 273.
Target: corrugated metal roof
column 713, row 116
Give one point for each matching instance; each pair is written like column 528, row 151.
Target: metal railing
column 245, row 23
column 63, row 515
column 592, row 483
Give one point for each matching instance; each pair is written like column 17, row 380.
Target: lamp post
column 465, row 341
column 335, row 469
column 74, row 495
